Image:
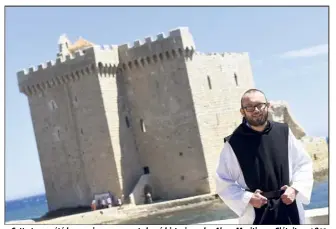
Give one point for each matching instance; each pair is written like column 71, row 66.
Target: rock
column 317, row 147
column 279, row 112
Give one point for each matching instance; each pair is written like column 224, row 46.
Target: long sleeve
column 302, row 169
column 228, row 189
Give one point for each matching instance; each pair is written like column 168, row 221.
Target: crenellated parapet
column 178, row 44
column 107, row 60
column 53, row 73
column 102, row 60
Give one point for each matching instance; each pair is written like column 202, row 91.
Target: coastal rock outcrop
column 317, row 147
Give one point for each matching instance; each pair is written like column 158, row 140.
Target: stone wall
column 162, row 115
column 217, row 83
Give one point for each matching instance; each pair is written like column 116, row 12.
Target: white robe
column 231, row 185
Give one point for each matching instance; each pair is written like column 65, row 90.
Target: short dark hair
column 251, row 91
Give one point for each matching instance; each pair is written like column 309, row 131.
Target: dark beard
column 257, row 122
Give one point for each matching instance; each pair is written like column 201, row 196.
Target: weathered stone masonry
column 105, row 115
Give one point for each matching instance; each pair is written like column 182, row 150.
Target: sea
column 36, row 206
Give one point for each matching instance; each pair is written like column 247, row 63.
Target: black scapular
column 263, row 158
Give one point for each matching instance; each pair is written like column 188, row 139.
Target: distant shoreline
column 26, row 197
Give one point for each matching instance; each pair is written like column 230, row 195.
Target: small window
column 57, row 134
column 75, row 98
column 182, row 177
column 127, row 122
column 146, row 170
column 209, row 83
column 82, row 131
column 52, row 105
column 142, row 125
column 181, row 154
column 236, row 79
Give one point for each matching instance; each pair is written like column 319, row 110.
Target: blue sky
column 288, row 47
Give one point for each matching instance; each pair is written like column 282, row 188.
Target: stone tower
column 104, row 117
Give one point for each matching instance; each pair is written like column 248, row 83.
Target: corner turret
column 63, row 46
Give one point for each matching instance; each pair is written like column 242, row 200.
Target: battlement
column 177, row 43
column 106, row 54
column 56, row 72
column 26, row 74
column 107, row 59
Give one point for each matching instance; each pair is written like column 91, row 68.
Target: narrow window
column 182, row 177
column 52, row 105
column 82, row 131
column 127, row 122
column 57, row 134
column 236, row 79
column 146, row 170
column 209, row 83
column 75, row 98
column 142, row 124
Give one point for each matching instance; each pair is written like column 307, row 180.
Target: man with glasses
column 264, row 174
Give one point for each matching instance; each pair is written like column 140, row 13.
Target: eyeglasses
column 260, row 106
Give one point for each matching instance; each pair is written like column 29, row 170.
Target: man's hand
column 257, row 200
column 289, row 196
